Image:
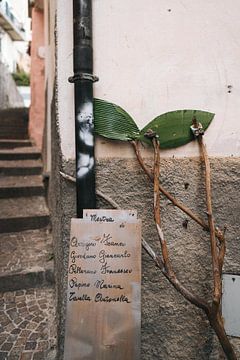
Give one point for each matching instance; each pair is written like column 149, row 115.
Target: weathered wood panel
column 104, row 286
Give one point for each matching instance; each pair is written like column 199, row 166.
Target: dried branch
column 67, row 177
column 167, row 269
column 222, row 252
column 214, row 249
column 213, row 313
column 193, row 299
column 157, row 215
column 174, row 201
column 156, row 192
column 217, row 324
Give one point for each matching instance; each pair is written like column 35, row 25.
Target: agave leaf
column 112, row 122
column 173, row 128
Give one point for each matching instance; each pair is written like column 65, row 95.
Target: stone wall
column 172, row 329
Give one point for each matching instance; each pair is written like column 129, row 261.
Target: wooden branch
column 192, row 298
column 214, row 318
column 188, row 295
column 67, row 177
column 222, row 252
column 157, row 215
column 165, row 266
column 217, row 324
column 108, row 199
column 156, row 192
column 214, row 250
column 213, row 313
column 174, row 201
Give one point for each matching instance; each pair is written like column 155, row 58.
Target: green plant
column 21, row 78
column 172, row 128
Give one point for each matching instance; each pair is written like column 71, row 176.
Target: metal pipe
column 83, row 95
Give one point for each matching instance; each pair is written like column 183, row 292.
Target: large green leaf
column 112, row 122
column 173, row 128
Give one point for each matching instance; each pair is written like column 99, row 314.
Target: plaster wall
column 160, row 56
column 37, row 82
column 151, row 59
column 49, row 33
column 64, row 53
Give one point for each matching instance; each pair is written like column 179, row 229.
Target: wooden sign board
column 104, row 287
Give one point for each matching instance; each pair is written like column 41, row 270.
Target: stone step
column 26, row 153
column 14, row 143
column 19, row 186
column 28, row 324
column 23, row 213
column 13, row 133
column 14, row 123
column 20, row 167
column 26, row 260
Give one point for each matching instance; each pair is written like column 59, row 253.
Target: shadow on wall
column 9, row 94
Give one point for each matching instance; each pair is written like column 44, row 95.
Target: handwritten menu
column 104, row 287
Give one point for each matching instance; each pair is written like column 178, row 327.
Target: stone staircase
column 27, row 296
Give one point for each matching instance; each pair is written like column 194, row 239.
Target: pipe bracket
column 82, row 76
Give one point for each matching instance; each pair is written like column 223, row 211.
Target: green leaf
column 173, row 128
column 112, row 122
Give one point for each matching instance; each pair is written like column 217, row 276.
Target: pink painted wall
column 37, row 108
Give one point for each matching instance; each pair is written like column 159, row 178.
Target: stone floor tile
column 7, row 346
column 26, row 356
column 3, row 355
column 34, row 337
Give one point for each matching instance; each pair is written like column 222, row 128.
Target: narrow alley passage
column 27, row 298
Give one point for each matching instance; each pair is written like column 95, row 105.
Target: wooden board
column 104, row 289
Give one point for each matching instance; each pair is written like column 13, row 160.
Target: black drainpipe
column 83, row 94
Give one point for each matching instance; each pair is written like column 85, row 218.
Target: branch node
column 197, row 128
column 150, row 134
